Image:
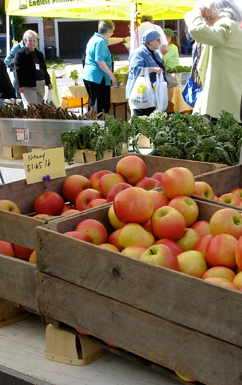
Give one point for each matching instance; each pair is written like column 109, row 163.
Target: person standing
column 146, row 24
column 171, row 58
column 97, row 73
column 9, row 61
column 31, row 71
column 216, row 24
column 6, row 88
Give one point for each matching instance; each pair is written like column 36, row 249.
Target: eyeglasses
column 209, row 18
column 157, row 39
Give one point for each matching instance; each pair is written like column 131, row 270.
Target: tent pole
column 7, row 34
column 132, row 29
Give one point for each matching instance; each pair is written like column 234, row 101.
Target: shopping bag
column 172, row 81
column 51, row 97
column 161, row 92
column 191, row 91
column 142, row 94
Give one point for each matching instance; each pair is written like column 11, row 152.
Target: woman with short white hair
column 216, row 24
column 31, row 71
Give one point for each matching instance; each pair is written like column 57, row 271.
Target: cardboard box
column 14, row 152
column 172, row 319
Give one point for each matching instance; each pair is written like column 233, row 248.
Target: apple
column 95, row 177
column 113, row 239
column 133, row 234
column 161, row 255
column 114, row 221
column 133, row 205
column 203, row 189
column 7, row 248
column 22, row 252
column 74, row 184
column 193, row 263
column 85, row 197
column 237, row 281
column 187, row 207
column 230, row 198
column 133, row 251
column 116, row 189
column 178, row 181
column 185, row 378
column 201, row 227
column 188, row 240
column 221, row 251
column 69, row 212
column 237, row 191
column 220, row 271
column 8, row 205
column 77, row 235
column 238, row 253
column 41, row 216
column 167, row 222
column 67, row 206
column 228, row 221
column 50, row 203
column 148, row 183
column 132, row 168
column 109, row 180
column 94, row 229
column 109, row 246
column 221, row 282
column 158, row 176
column 172, row 244
column 202, row 244
column 96, row 202
column 147, row 226
column 32, row 257
column 159, row 199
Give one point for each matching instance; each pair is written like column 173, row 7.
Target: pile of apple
column 233, row 197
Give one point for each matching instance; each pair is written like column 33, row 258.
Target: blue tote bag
column 191, row 91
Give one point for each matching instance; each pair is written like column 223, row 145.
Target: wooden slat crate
column 172, row 319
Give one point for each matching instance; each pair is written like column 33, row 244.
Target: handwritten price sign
column 44, row 164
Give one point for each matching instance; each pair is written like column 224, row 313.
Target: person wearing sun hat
column 171, row 58
column 145, row 56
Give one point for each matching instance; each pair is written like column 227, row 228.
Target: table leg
column 114, row 110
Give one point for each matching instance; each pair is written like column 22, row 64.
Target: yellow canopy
column 99, row 9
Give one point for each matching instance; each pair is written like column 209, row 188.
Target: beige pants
column 34, row 95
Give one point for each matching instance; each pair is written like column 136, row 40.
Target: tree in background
column 17, row 23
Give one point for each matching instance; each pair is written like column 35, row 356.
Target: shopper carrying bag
column 191, row 90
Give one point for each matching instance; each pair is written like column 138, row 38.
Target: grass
column 57, row 64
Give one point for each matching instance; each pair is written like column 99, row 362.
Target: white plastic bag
column 142, row 94
column 51, row 97
column 161, row 92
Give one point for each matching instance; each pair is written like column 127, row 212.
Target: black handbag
column 191, row 91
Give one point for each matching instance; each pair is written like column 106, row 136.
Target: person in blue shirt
column 97, row 73
column 9, row 61
column 145, row 56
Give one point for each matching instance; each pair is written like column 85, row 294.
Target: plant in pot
column 121, row 131
column 142, row 130
column 102, row 144
column 74, row 75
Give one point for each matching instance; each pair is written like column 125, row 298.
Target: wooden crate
column 19, row 229
column 177, row 321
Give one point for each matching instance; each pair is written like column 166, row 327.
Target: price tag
column 44, row 164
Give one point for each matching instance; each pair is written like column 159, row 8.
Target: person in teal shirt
column 171, row 58
column 97, row 73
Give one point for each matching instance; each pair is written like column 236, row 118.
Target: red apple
column 221, row 251
column 188, row 240
column 115, row 190
column 238, row 253
column 95, row 177
column 6, row 248
column 133, row 205
column 109, row 180
column 158, row 176
column 230, row 199
column 167, row 222
column 50, row 203
column 114, row 221
column 161, row 255
column 193, row 263
column 133, row 251
column 178, row 181
column 172, row 244
column 96, row 202
column 148, row 183
column 237, row 281
column 220, row 271
column 222, row 282
column 201, row 227
column 133, row 234
column 159, row 199
column 66, row 207
column 147, row 227
column 132, row 168
column 85, row 197
column 70, row 212
column 113, row 239
column 237, row 191
column 41, row 216
column 8, row 205
column 228, row 221
column 202, row 244
column 74, row 184
column 203, row 190
column 187, row 207
column 22, row 252
column 78, row 235
column 94, row 229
